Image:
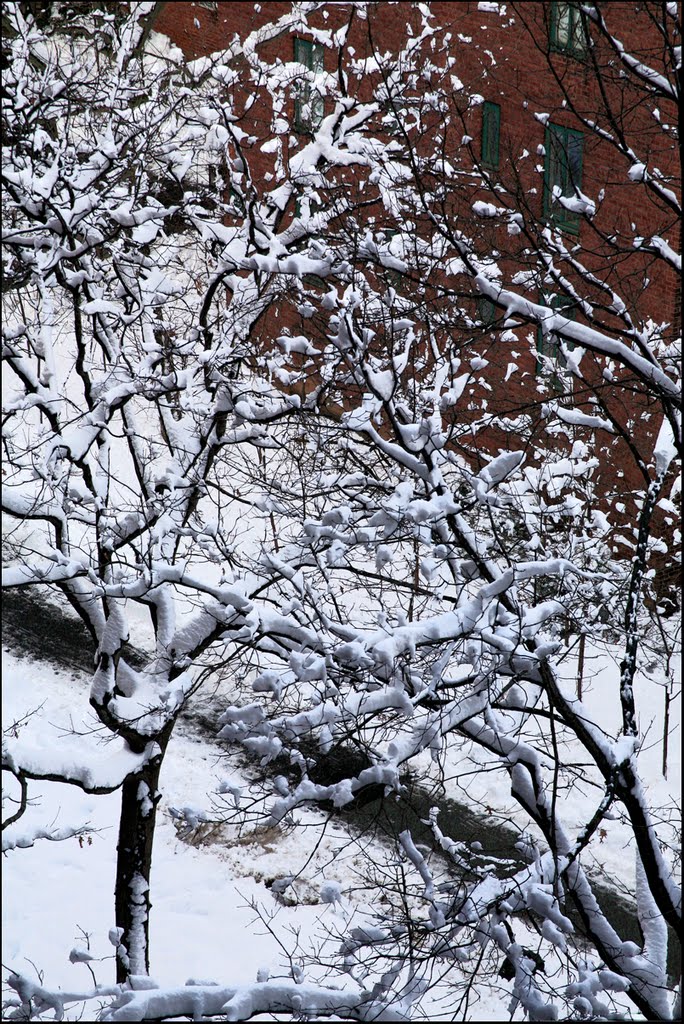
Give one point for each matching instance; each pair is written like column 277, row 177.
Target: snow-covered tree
column 456, row 547
column 141, row 257
column 249, row 397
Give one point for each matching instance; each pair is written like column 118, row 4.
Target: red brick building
column 538, row 103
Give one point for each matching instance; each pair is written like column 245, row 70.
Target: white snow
column 204, row 896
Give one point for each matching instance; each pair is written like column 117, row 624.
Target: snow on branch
column 654, row 79
column 23, row 839
column 142, row 1000
column 29, row 757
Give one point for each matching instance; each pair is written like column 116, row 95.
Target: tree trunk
column 139, row 799
column 580, row 665
column 666, row 727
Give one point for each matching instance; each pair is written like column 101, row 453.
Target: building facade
column 542, row 133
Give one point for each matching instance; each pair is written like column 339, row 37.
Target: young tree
column 142, row 253
column 430, row 554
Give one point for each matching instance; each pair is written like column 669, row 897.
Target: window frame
column 312, row 56
column 576, row 44
column 490, row 141
column 559, row 172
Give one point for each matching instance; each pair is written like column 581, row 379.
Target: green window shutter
column 309, row 106
column 302, row 88
column 486, row 311
column 491, row 123
column 552, row 169
column 547, row 342
column 562, row 171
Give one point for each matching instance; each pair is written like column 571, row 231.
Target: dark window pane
column 491, row 120
column 574, row 150
column 563, row 25
column 567, row 32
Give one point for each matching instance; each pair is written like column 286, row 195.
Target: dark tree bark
column 139, row 799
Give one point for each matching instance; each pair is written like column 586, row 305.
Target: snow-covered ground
column 612, row 856
column 214, row 914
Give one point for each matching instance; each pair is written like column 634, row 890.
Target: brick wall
column 505, row 60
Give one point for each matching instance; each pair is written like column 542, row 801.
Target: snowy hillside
column 217, row 912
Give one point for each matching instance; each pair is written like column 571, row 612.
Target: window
column 307, row 206
column 486, row 311
column 491, row 120
column 237, row 202
column 547, row 341
column 562, row 174
column 314, row 281
column 308, row 112
column 567, row 32
column 394, row 119
column 392, row 250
